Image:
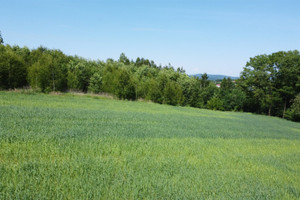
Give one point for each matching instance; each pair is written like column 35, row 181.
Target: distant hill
column 214, row 77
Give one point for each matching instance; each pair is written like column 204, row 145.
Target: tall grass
column 74, row 147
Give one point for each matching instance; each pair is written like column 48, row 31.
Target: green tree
column 232, row 96
column 39, row 73
column 142, row 78
column 226, row 85
column 172, row 93
column 154, row 92
column 185, row 83
column 58, row 69
column 207, row 93
column 1, row 39
column 110, row 77
column 204, row 81
column 287, row 67
column 194, row 97
column 293, row 113
column 79, row 72
column 271, row 82
column 12, row 69
column 50, row 66
column 125, row 87
column 74, row 75
column 258, row 79
column 95, row 85
column 34, row 75
column 123, row 59
column 215, row 103
column 236, row 100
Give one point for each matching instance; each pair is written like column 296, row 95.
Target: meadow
column 89, row 147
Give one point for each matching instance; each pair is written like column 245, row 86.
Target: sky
column 203, row 36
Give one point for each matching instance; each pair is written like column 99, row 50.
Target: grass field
column 80, row 147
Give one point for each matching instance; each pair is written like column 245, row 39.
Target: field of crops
column 87, row 147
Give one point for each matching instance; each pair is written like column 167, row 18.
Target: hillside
column 213, row 77
column 88, row 147
column 272, row 90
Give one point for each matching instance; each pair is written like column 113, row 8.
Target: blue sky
column 213, row 36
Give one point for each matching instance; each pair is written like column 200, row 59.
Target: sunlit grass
column 76, row 147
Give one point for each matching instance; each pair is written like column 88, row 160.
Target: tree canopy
column 271, row 82
column 268, row 84
column 1, row 39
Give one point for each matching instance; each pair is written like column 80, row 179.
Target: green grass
column 86, row 147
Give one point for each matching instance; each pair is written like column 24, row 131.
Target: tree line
column 268, row 84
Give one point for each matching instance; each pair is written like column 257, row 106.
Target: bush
column 215, row 103
column 95, row 85
column 294, row 112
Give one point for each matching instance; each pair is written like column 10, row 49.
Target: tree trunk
column 269, row 110
column 9, row 77
column 284, row 109
column 53, row 84
column 136, row 91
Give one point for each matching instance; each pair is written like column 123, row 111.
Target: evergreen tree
column 1, row 39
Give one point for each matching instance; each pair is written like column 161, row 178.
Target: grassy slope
column 77, row 147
